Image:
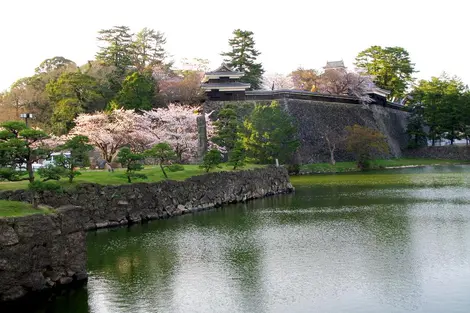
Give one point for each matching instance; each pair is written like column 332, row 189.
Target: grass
column 17, row 208
column 343, row 167
column 383, row 179
column 117, row 177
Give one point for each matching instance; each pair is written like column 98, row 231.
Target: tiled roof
column 224, row 69
column 220, row 85
column 334, row 64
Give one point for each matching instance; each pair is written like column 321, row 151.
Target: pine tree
column 242, row 57
column 148, row 49
column 118, row 49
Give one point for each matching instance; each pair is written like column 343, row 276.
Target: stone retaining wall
column 39, row 252
column 440, row 152
column 314, row 118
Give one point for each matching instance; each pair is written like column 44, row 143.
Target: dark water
column 393, row 242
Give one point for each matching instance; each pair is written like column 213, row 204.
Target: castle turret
column 224, row 84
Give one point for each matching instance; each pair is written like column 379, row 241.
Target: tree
column 211, row 160
column 243, row 56
column 185, row 89
column 177, row 126
column 237, row 156
column 364, row 142
column 55, row 64
column 415, row 128
column 277, row 81
column 138, row 92
column 72, row 93
column 20, row 147
column 78, row 148
column 117, row 50
column 304, row 79
column 148, row 49
column 227, row 128
column 445, row 106
column 109, row 132
column 131, row 162
column 270, row 133
column 343, row 82
column 391, row 68
column 164, row 155
column 333, row 141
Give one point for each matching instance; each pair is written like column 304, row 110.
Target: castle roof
column 224, row 70
column 221, row 86
column 334, row 64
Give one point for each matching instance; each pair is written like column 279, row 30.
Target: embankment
column 317, row 119
column 461, row 153
column 41, row 252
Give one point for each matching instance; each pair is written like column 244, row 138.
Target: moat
column 395, row 241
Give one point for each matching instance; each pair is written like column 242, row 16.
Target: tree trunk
column 29, row 168
column 163, row 170
column 332, row 157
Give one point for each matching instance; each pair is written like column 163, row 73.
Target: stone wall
column 106, row 206
column 39, row 252
column 314, row 117
column 440, row 152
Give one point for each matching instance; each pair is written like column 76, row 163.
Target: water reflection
column 323, row 249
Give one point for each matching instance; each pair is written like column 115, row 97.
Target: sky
column 288, row 34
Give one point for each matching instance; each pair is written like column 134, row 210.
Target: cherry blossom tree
column 177, row 125
column 343, row 82
column 276, row 81
column 111, row 131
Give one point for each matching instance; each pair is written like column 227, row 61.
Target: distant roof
column 224, row 69
column 334, row 64
column 222, row 85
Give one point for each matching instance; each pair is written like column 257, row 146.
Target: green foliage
column 391, row 68
column 270, row 133
column 237, row 156
column 415, row 128
column 211, row 160
column 41, row 186
column 138, row 92
column 78, row 148
column 148, row 50
column 131, row 162
column 175, row 168
column 242, row 57
column 51, row 172
column 20, row 147
column 164, row 154
column 117, row 49
column 11, row 174
column 72, row 93
column 54, row 64
column 227, row 128
column 446, row 107
column 364, row 142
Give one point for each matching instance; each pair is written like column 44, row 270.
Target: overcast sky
column 289, row 34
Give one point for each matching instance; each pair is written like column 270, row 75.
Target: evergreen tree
column 132, row 163
column 446, row 106
column 138, row 92
column 226, row 129
column 415, row 128
column 242, row 57
column 270, row 133
column 148, row 49
column 117, row 51
column 211, row 160
column 391, row 68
